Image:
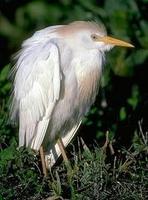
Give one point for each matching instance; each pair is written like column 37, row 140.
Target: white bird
column 56, row 81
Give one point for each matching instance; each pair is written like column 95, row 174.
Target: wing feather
column 36, row 87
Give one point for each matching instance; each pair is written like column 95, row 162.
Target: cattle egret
column 56, row 81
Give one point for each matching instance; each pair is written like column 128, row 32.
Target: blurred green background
column 123, row 98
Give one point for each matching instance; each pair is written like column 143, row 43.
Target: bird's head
column 90, row 35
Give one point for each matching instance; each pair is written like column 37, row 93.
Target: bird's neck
column 89, row 59
column 88, row 69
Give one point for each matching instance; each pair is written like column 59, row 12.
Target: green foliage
column 94, row 177
column 20, row 174
column 122, row 113
column 4, row 83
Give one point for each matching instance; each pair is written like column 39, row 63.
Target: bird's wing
column 36, row 87
column 54, row 152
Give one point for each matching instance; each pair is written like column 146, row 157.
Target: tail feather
column 54, row 153
column 40, row 134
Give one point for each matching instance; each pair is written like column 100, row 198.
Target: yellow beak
column 116, row 42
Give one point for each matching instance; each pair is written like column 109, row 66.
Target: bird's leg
column 67, row 163
column 43, row 161
column 62, row 149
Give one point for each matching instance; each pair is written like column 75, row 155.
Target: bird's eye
column 94, row 37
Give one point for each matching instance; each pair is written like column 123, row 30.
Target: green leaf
column 122, row 114
column 4, row 73
column 1, row 198
column 134, row 99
